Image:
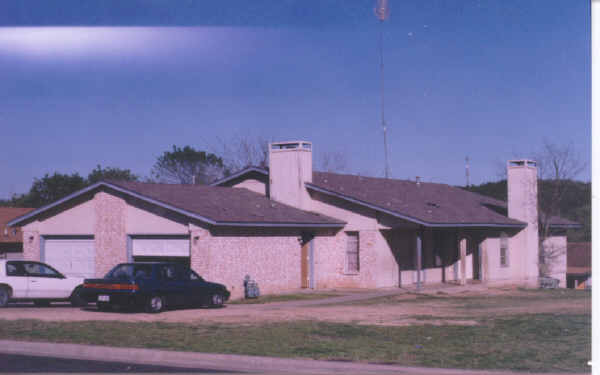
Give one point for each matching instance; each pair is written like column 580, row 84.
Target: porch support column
column 419, row 255
column 463, row 261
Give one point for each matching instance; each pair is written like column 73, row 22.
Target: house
column 579, row 265
column 11, row 239
column 289, row 227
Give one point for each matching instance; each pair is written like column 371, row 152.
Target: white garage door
column 161, row 247
column 73, row 257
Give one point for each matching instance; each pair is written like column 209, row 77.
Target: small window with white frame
column 503, row 250
column 352, row 252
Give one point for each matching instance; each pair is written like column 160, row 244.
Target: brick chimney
column 290, row 166
column 523, row 206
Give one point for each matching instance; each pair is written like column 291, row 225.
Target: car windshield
column 130, row 271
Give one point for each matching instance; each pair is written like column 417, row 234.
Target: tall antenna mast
column 382, row 11
column 467, row 170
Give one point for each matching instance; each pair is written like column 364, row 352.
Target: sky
column 116, row 83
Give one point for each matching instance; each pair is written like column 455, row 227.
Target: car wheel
column 155, row 304
column 41, row 303
column 4, row 295
column 216, row 300
column 76, row 299
column 103, row 306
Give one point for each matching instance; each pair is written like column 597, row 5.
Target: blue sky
column 117, row 83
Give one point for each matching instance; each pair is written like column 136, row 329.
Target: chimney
column 523, row 206
column 290, row 166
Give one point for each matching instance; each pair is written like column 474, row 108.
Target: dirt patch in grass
column 463, row 309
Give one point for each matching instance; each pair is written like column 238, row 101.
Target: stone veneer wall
column 272, row 260
column 110, row 238
column 330, row 261
column 31, row 248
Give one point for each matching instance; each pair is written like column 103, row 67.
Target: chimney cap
column 519, row 163
column 291, row 145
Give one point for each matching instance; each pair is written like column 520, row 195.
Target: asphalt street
column 11, row 363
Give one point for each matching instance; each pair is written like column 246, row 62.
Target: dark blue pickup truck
column 153, row 286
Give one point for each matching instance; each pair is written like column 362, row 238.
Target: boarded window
column 352, row 252
column 503, row 250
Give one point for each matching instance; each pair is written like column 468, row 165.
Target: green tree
column 110, row 173
column 50, row 188
column 187, row 166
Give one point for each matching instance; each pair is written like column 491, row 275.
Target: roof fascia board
column 240, row 173
column 280, row 225
column 409, row 218
column 565, row 226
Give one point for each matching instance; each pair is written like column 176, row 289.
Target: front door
column 304, row 265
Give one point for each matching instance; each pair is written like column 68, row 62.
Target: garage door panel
column 167, row 247
column 72, row 257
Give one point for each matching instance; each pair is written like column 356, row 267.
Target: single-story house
column 288, row 227
column 11, row 238
column 579, row 265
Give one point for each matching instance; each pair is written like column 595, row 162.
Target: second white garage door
column 72, row 257
column 161, row 247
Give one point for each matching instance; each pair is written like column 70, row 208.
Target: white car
column 24, row 280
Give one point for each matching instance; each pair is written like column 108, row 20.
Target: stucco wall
column 78, row 219
column 253, row 185
column 141, row 221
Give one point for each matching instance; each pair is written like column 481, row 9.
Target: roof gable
column 219, row 206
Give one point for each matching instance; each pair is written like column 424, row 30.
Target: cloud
column 104, row 42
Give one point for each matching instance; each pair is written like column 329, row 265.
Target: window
column 352, row 252
column 14, row 269
column 38, row 269
column 503, row 250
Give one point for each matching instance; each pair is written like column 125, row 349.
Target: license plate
column 103, row 298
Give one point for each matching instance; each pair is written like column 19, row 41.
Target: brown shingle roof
column 226, row 205
column 11, row 235
column 428, row 203
column 378, row 191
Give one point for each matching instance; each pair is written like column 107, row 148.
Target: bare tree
column 243, row 151
column 330, row 161
column 557, row 167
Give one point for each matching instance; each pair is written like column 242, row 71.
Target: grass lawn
column 533, row 342
column 271, row 298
